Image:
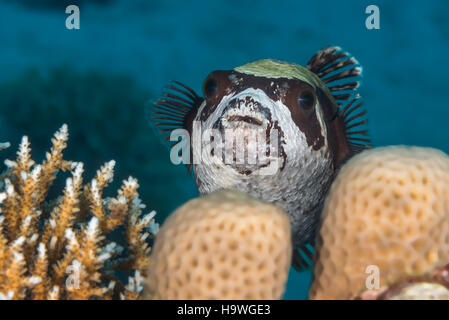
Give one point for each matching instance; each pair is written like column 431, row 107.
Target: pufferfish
column 316, row 112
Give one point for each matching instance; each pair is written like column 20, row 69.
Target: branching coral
column 388, row 210
column 59, row 249
column 226, row 245
column 37, row 100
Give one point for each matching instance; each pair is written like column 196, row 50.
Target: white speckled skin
column 299, row 188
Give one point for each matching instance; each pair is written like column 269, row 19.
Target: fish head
column 273, row 108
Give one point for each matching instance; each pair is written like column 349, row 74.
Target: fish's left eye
column 306, row 100
column 210, row 88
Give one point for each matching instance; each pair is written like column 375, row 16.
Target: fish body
column 303, row 116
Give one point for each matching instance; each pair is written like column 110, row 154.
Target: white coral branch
column 4, row 145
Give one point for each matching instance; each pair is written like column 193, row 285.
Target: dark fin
column 353, row 116
column 339, row 70
column 302, row 258
column 342, row 74
column 176, row 109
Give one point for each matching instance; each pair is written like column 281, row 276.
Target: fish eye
column 306, row 100
column 210, row 88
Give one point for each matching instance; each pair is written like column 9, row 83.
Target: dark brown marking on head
column 281, row 142
column 335, row 129
column 305, row 119
column 223, row 87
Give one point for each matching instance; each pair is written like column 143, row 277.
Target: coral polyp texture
column 225, row 245
column 388, row 208
column 59, row 248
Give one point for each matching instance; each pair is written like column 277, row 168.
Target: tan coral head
column 386, row 217
column 222, row 246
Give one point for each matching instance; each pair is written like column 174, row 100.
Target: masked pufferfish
column 315, row 110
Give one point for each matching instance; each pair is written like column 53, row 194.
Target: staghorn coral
column 4, row 145
column 59, row 249
column 36, row 100
column 222, row 246
column 388, row 207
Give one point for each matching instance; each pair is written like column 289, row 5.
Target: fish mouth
column 248, row 133
column 245, row 111
column 246, row 119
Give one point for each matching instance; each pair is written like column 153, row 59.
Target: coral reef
column 222, row 246
column 387, row 208
column 59, row 249
column 105, row 114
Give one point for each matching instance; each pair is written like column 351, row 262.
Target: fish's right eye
column 210, row 88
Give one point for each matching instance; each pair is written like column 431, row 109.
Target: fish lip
column 247, row 119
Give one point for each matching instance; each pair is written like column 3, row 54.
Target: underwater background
column 97, row 79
